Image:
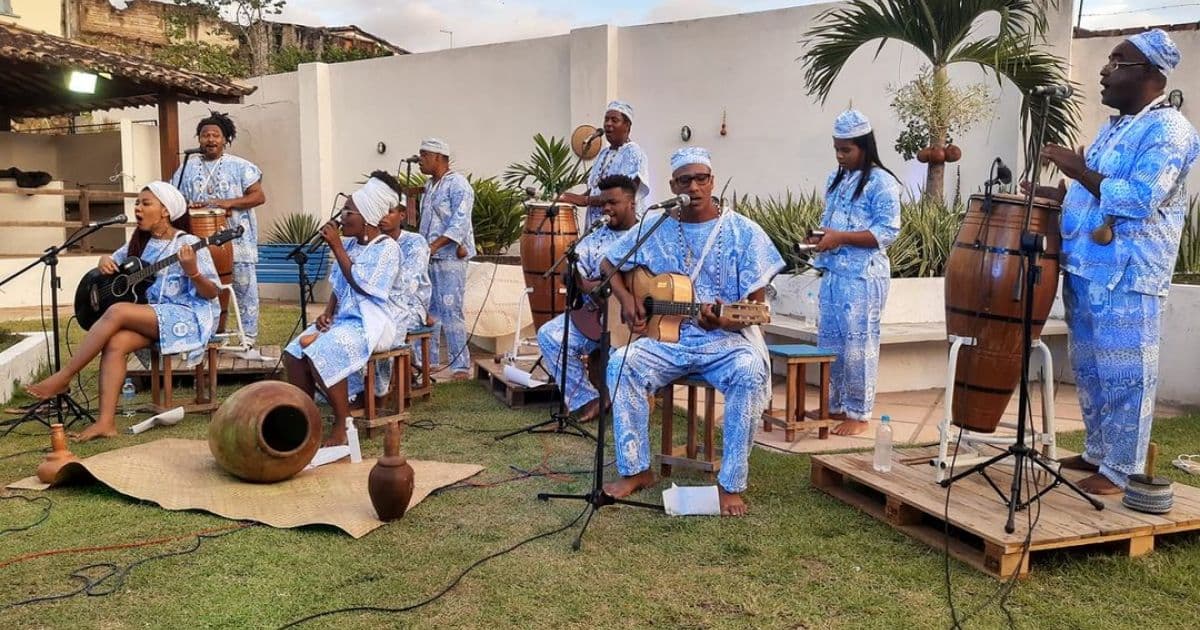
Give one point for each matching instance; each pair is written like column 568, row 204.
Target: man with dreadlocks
column 217, row 179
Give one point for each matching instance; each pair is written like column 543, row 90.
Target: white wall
column 1179, row 346
column 1088, row 56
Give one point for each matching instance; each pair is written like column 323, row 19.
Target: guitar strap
column 708, row 245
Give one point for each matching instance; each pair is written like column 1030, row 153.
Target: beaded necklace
column 689, row 257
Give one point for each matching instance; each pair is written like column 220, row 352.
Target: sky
column 417, row 25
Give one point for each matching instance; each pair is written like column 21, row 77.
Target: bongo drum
column 984, row 268
column 206, row 222
column 544, row 240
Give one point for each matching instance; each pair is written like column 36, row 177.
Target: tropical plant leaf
column 552, row 167
column 293, row 228
column 1188, row 262
column 497, row 217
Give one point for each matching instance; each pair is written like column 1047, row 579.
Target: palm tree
column 940, row 30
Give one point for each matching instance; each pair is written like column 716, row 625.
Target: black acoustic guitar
column 97, row 291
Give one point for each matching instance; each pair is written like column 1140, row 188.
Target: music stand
column 1032, row 245
column 63, row 400
column 597, row 498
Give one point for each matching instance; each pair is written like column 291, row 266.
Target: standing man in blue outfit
column 218, row 179
column 1122, row 218
column 446, row 225
column 622, row 156
column 728, row 258
column 617, row 202
column 862, row 217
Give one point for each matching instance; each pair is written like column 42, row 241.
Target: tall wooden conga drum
column 543, row 242
column 206, row 222
column 984, row 269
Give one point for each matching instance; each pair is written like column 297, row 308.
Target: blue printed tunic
column 446, row 211
column 362, row 324
column 228, row 177
column 186, row 320
column 629, row 160
column 876, row 210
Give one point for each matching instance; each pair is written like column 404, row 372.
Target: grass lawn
column 801, row 559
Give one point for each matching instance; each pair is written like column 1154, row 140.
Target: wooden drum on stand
column 206, row 222
column 543, row 242
column 984, row 268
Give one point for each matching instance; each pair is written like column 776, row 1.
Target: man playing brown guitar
column 727, row 258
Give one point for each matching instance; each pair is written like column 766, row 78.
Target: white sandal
column 1189, row 464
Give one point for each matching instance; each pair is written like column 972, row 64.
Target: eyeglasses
column 1113, row 65
column 699, row 178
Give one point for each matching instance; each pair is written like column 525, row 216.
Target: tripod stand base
column 597, row 499
column 559, row 424
column 60, row 409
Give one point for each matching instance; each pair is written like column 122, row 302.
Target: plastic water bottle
column 127, row 393
column 883, row 445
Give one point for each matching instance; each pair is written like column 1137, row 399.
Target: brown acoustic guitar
column 670, row 300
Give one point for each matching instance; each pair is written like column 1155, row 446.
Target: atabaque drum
column 550, row 228
column 985, row 295
column 206, row 222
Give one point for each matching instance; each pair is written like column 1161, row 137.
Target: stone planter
column 21, row 363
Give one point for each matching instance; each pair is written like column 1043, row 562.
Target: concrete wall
column 1179, row 346
column 39, row 15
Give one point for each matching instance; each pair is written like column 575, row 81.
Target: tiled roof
column 34, row 67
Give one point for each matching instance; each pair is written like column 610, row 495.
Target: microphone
column 530, row 192
column 1053, row 91
column 193, row 151
column 598, row 223
column 681, row 200
column 1003, row 174
column 336, row 219
column 119, row 219
column 412, row 159
column 595, row 134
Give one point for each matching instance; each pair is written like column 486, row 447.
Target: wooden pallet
column 491, row 374
column 908, row 499
column 228, row 366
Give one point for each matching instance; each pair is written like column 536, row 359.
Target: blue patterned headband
column 851, row 124
column 623, row 107
column 1158, row 48
column 690, row 155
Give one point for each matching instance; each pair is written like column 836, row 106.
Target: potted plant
column 498, row 218
column 551, row 166
column 287, row 232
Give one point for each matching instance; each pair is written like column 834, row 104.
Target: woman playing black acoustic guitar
column 180, row 315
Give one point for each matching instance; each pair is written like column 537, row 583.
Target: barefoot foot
column 626, row 486
column 1077, row 462
column 96, row 431
column 48, row 388
column 1099, row 484
column 337, row 436
column 589, row 412
column 732, row 503
column 850, row 427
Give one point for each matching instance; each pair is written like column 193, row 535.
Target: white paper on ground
column 691, row 501
column 521, row 377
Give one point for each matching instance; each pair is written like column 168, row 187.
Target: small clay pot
column 953, row 153
column 59, row 456
column 391, row 481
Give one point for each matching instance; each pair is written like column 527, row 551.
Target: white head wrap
column 1158, row 48
column 851, row 124
column 436, row 145
column 374, row 199
column 623, row 107
column 690, row 155
column 170, row 197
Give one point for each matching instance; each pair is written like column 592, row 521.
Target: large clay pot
column 59, row 456
column 391, row 482
column 265, row 432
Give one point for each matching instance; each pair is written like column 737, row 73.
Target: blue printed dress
column 579, row 390
column 740, row 261
column 186, row 320
column 362, row 324
column 630, row 160
column 1114, row 293
column 854, row 287
column 228, row 177
column 446, row 211
column 408, row 302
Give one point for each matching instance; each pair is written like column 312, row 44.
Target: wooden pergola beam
column 168, row 135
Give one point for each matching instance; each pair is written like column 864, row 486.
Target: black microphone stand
column 1032, row 245
column 300, row 253
column 63, row 399
column 597, row 497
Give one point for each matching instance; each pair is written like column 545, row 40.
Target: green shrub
column 293, row 228
column 786, row 221
column 497, row 217
column 1188, row 263
column 552, row 167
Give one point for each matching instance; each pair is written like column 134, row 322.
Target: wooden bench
column 425, row 389
column 702, row 456
column 798, row 358
column 369, row 418
column 162, row 383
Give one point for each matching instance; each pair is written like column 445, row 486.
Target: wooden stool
column 798, row 357
column 162, row 386
column 689, row 454
column 368, row 418
column 425, row 390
